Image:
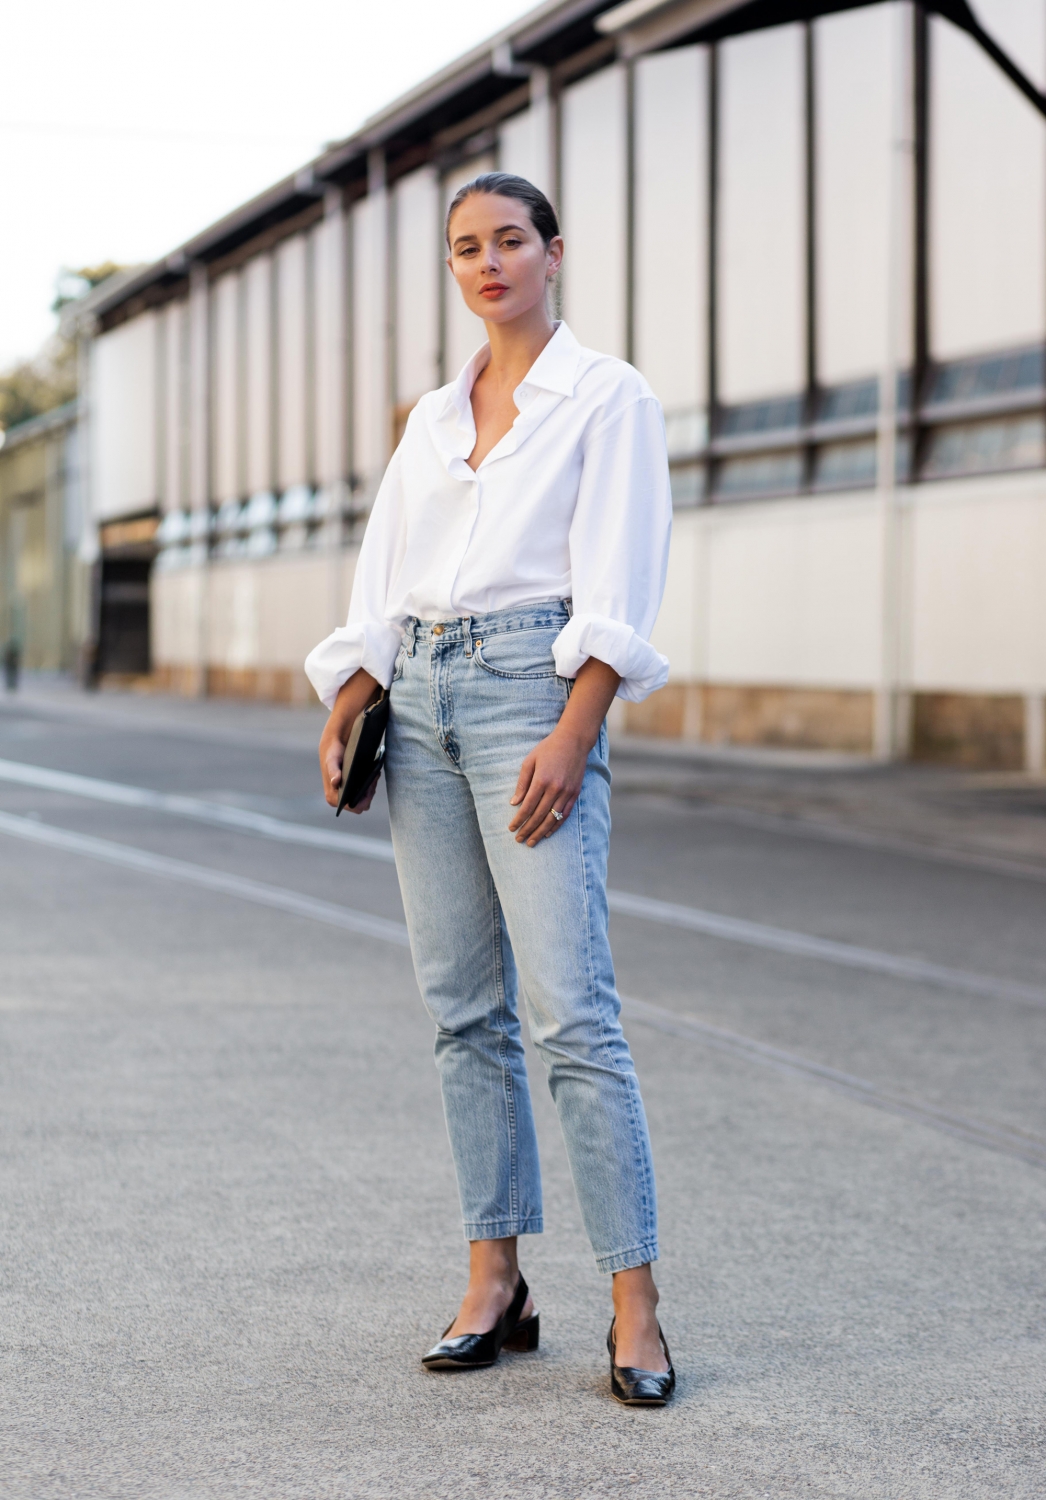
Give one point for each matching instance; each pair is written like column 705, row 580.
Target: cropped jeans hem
column 627, row 1260
column 504, row 1229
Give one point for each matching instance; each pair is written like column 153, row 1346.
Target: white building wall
column 987, row 186
column 419, row 271
column 671, row 241
column 463, row 331
column 594, row 210
column 978, row 605
column 123, row 419
column 760, row 252
column 525, row 146
column 853, row 62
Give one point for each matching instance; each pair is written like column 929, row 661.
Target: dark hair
column 507, row 185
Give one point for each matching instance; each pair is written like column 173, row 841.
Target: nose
column 490, row 261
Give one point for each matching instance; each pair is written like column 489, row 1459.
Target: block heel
column 473, row 1351
column 524, row 1340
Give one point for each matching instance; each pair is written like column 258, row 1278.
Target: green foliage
column 36, row 385
column 40, row 384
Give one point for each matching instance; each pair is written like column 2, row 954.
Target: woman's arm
column 552, row 773
column 352, row 699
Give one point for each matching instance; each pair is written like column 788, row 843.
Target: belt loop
column 410, row 635
column 466, row 633
column 568, row 605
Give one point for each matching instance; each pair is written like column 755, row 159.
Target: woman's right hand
column 352, row 699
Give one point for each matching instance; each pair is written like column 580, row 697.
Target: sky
column 126, row 127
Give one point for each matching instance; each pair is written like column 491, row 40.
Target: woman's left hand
column 550, row 777
column 552, row 773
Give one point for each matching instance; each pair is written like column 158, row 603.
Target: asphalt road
column 229, row 1225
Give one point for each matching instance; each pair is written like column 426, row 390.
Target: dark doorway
column 123, row 627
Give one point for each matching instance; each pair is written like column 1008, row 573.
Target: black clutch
column 364, row 754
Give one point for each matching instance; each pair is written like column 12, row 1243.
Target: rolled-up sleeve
column 367, row 639
column 619, row 551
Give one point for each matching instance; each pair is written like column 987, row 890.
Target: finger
column 539, row 815
column 334, row 763
column 526, row 776
column 367, row 798
column 539, row 792
column 550, row 823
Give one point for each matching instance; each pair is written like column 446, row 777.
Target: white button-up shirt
column 572, row 503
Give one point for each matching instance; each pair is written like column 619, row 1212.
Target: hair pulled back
column 508, row 185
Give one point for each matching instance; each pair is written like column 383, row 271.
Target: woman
column 510, row 574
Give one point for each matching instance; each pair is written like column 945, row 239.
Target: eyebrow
column 463, row 238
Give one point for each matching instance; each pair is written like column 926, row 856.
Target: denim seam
column 641, row 1160
column 506, row 1071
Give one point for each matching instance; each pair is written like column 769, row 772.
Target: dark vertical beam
column 920, row 227
column 630, row 211
column 810, row 246
column 712, row 269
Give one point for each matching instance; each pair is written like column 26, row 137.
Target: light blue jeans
column 470, row 699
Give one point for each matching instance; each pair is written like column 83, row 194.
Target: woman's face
column 499, row 260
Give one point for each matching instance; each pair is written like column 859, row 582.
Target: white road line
column 646, row 908
column 1025, row 1147
column 802, row 945
column 1021, row 1144
column 214, row 880
column 238, row 819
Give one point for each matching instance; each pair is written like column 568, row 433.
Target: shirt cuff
column 373, row 647
column 641, row 668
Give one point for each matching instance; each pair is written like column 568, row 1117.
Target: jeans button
column 437, row 630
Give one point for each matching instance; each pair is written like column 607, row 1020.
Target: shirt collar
column 555, row 369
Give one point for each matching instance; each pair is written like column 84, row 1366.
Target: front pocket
column 518, row 653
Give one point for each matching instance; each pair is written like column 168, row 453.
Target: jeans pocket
column 518, row 653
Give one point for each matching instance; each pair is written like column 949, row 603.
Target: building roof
column 567, row 37
column 36, row 427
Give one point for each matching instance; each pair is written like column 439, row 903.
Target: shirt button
column 437, row 630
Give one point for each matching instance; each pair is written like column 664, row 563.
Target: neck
column 515, row 346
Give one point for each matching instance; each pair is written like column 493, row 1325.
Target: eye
column 511, row 243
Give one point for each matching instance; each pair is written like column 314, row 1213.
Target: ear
column 554, row 255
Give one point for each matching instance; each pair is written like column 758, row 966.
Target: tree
column 48, row 379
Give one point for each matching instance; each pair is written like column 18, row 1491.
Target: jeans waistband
column 551, row 613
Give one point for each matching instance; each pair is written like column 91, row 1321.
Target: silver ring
column 557, row 815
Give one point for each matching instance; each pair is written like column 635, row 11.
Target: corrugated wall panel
column 175, row 383
column 225, row 437
column 419, row 270
column 330, row 347
column 258, row 299
column 292, row 373
column 123, row 419
column 671, row 232
column 760, row 252
column 370, row 422
column 594, row 210
column 987, row 187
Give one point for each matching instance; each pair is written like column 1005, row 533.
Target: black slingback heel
column 474, row 1351
column 640, row 1387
